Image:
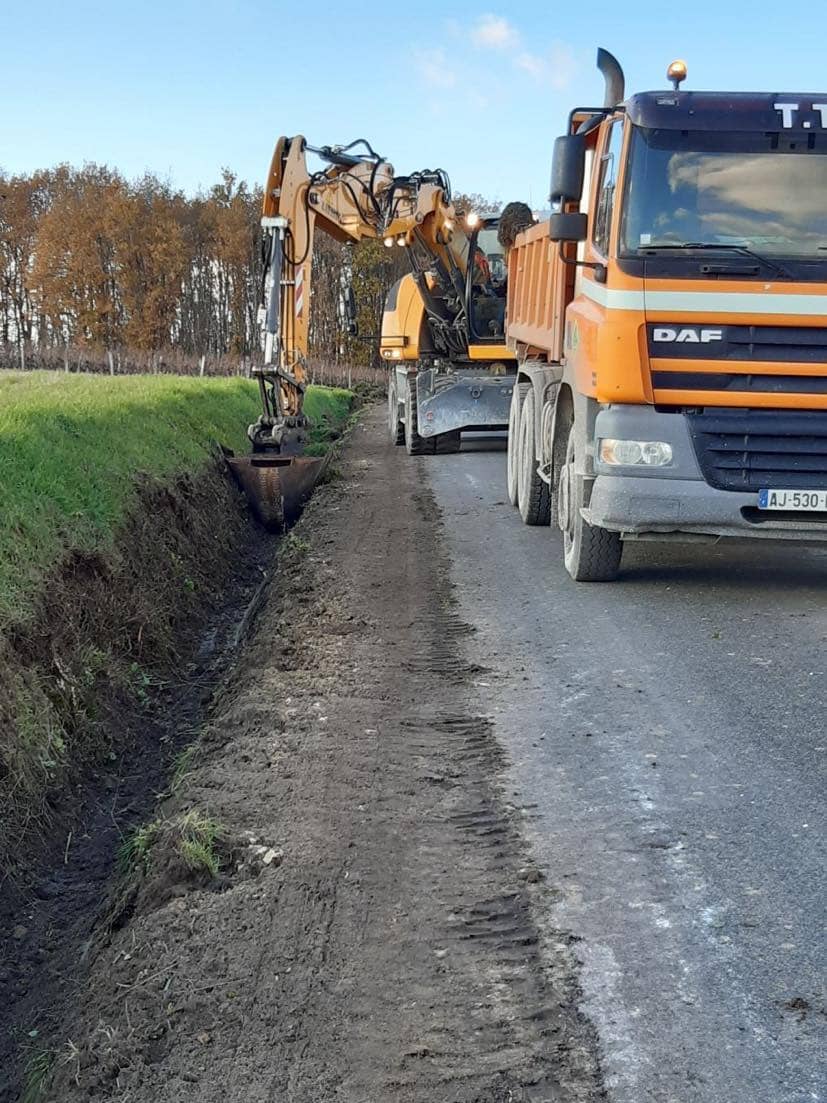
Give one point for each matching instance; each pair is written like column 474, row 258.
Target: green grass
column 38, row 1067
column 329, row 410
column 333, row 403
column 193, row 834
column 135, row 850
column 199, row 834
column 70, row 446
column 183, row 766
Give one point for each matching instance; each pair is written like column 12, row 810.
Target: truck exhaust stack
column 609, row 66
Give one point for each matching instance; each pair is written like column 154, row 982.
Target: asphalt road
column 668, row 740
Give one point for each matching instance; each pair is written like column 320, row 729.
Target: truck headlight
column 635, row 453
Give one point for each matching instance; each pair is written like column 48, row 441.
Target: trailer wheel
column 532, row 493
column 415, row 445
column 396, row 426
column 591, row 554
column 513, row 460
column 446, row 444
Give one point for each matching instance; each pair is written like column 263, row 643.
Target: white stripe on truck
column 706, row 302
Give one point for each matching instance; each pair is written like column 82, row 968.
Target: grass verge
column 71, row 445
column 116, row 529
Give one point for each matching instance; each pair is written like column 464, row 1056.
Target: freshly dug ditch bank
column 127, row 558
column 116, row 526
column 336, row 902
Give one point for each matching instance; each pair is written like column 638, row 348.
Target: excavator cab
column 487, row 285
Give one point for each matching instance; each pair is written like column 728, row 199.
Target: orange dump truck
column 670, row 324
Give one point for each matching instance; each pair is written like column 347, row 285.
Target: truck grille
column 745, row 344
column 738, row 381
column 754, row 449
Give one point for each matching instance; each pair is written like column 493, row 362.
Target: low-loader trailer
column 670, row 324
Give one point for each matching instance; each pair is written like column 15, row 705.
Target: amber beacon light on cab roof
column 670, row 324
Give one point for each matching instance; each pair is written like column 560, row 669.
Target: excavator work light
column 676, row 73
column 401, row 240
column 472, row 219
column 388, row 242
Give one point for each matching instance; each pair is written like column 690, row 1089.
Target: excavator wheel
column 415, row 445
column 396, row 428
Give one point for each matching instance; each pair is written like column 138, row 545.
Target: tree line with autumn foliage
column 97, row 272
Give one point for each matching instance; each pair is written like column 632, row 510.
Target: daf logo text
column 689, row 335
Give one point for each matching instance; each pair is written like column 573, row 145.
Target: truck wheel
column 415, row 445
column 591, row 554
column 396, row 427
column 513, row 461
column 532, row 492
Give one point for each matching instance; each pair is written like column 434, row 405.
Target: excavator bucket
column 276, row 486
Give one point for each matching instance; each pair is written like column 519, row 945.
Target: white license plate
column 813, row 501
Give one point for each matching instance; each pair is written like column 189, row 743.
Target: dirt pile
column 369, row 932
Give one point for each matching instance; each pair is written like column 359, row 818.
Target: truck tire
column 446, row 444
column 396, row 427
column 591, row 554
column 415, row 445
column 512, row 462
column 532, row 493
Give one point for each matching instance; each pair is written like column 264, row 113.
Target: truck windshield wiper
column 742, row 250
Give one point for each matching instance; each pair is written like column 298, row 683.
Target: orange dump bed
column 537, row 294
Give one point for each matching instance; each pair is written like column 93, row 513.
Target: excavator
column 442, row 328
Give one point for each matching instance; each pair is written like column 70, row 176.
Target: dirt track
column 391, row 953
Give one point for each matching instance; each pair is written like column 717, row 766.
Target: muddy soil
column 131, row 606
column 372, row 933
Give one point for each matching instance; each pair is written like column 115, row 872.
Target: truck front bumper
column 458, row 400
column 676, row 499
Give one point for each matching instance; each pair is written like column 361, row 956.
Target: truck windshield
column 762, row 191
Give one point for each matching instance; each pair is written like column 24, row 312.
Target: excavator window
column 487, row 285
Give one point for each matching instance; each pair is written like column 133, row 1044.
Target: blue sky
column 182, row 88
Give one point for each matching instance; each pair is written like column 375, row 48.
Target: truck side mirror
column 568, row 167
column 568, row 226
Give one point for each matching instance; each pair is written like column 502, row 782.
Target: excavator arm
column 355, row 196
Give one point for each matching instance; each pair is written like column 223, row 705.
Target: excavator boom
column 354, row 195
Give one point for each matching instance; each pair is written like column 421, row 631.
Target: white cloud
column 435, row 69
column 557, row 67
column 494, row 32
column 532, row 64
column 454, row 72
